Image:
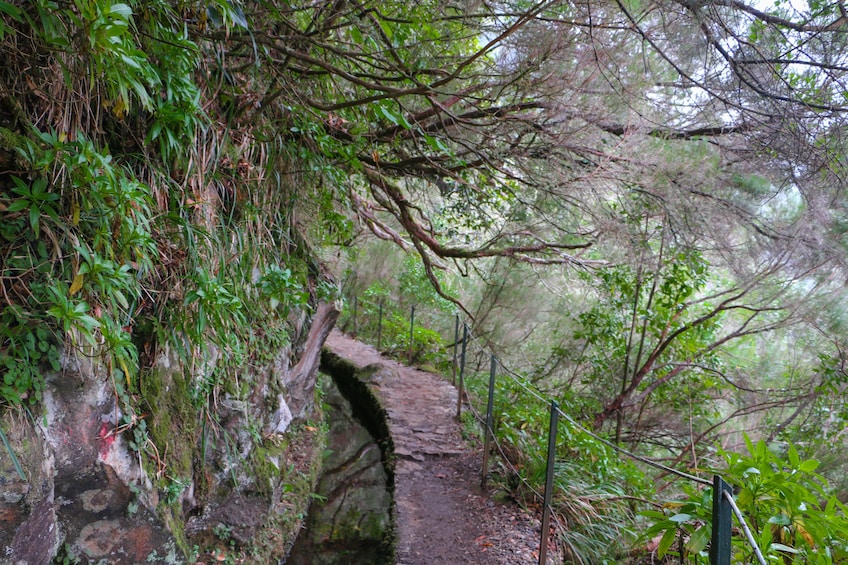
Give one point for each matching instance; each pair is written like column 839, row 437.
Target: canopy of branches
column 675, row 169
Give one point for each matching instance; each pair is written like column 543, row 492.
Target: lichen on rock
column 243, row 465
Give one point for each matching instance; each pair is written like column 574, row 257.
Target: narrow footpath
column 442, row 514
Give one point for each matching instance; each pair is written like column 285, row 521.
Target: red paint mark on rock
column 107, row 438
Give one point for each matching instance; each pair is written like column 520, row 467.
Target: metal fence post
column 380, row 325
column 355, row 303
column 549, row 484
column 722, row 517
column 461, row 371
column 489, row 431
column 455, row 348
column 411, row 328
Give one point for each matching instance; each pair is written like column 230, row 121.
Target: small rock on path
column 442, row 514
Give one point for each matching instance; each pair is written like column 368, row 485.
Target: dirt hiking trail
column 443, row 517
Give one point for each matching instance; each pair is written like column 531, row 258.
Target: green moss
column 11, row 141
column 172, row 426
column 171, row 516
column 263, row 468
column 283, row 469
column 299, row 454
column 172, row 418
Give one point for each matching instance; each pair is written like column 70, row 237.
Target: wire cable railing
column 724, row 506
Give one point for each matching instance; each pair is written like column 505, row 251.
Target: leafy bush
column 393, row 327
column 787, row 505
column 284, row 289
column 593, row 485
column 425, row 346
column 78, row 203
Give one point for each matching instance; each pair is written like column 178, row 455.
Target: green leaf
column 12, row 11
column 698, row 541
column 780, row 520
column 131, row 62
column 792, row 453
column 668, row 538
column 395, row 117
column 116, row 30
column 786, row 548
column 238, row 16
column 12, row 456
column 213, row 15
column 680, row 518
column 119, row 296
column 34, row 215
column 121, row 10
column 436, row 144
column 749, row 444
column 386, row 114
column 89, row 322
column 18, row 205
column 39, row 187
column 808, row 466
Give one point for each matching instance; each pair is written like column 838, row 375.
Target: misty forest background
column 639, row 204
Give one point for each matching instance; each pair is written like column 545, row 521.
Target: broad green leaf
column 749, row 444
column 656, row 514
column 116, row 30
column 121, row 10
column 386, row 114
column 395, row 117
column 238, row 16
column 832, row 503
column 436, row 144
column 780, row 520
column 792, row 453
column 808, row 466
column 12, row 11
column 119, row 296
column 39, row 187
column 680, row 518
column 213, row 15
column 665, row 543
column 699, row 539
column 34, row 215
column 782, row 547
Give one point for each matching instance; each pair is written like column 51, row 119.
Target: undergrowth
column 606, row 508
column 142, row 218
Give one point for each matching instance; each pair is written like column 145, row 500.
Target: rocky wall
column 232, row 476
column 350, row 519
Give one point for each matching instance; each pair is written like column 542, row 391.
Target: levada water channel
column 350, row 518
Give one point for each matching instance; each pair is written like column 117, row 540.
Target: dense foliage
column 643, row 201
column 138, row 222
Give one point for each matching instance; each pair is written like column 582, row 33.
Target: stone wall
column 231, row 477
column 350, row 520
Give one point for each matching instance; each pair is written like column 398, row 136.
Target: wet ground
column 443, row 516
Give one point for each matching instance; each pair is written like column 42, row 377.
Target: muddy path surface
column 442, row 514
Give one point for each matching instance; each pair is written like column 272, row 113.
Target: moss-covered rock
column 350, row 520
column 181, row 477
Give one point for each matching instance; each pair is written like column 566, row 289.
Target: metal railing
column 724, row 506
